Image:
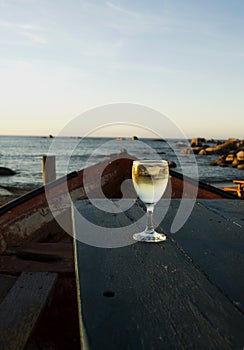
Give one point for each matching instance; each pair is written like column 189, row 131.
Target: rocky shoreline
column 230, row 152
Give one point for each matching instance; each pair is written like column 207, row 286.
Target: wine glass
column 150, row 178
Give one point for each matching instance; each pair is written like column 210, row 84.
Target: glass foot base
column 149, row 237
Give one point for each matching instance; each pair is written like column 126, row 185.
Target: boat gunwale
column 40, row 190
column 36, row 192
column 203, row 185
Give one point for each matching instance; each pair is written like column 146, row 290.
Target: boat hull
column 21, row 219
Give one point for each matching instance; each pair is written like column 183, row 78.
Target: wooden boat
column 32, row 241
column 23, row 218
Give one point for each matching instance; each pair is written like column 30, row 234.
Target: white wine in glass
column 150, row 178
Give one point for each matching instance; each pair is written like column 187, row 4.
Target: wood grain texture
column 6, row 282
column 38, row 257
column 215, row 243
column 22, row 306
column 230, row 210
column 153, row 296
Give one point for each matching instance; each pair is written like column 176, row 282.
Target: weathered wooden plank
column 6, row 282
column 48, row 169
column 38, row 257
column 151, row 296
column 22, row 306
column 231, row 210
column 215, row 244
column 102, row 226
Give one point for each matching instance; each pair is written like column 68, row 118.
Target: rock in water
column 240, row 155
column 202, row 152
column 6, row 172
column 235, row 163
column 180, row 144
column 197, row 141
column 230, row 158
column 172, row 164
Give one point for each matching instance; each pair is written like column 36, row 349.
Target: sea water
column 23, row 154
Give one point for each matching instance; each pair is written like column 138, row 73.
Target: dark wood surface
column 38, row 257
column 184, row 293
column 22, row 306
column 213, row 237
column 6, row 282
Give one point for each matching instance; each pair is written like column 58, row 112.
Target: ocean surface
column 24, row 155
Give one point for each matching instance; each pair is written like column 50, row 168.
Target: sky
column 60, row 58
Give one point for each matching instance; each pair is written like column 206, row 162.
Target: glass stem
column 149, row 227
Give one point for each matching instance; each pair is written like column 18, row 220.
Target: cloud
column 134, row 22
column 34, row 39
column 21, row 34
column 125, row 21
column 120, row 9
column 13, row 25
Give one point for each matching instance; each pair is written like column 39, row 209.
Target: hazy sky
column 184, row 58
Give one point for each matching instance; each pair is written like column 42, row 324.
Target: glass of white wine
column 150, row 178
